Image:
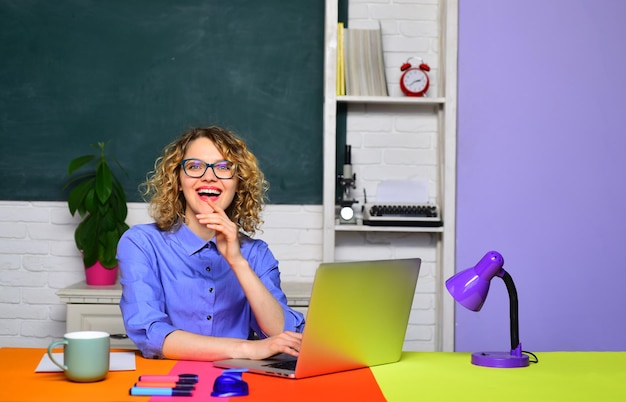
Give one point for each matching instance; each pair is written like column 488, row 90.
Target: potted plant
column 99, row 198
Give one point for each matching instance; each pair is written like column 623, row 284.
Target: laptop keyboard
column 286, row 365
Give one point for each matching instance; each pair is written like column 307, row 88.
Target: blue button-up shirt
column 175, row 280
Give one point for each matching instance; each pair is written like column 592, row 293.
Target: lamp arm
column 513, row 308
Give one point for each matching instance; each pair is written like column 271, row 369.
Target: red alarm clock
column 414, row 80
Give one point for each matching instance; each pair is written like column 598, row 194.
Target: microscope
column 347, row 182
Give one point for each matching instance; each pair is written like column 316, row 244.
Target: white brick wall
column 38, row 256
column 391, row 141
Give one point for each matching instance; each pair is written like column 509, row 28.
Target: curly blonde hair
column 162, row 186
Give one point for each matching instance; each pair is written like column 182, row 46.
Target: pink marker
column 186, row 378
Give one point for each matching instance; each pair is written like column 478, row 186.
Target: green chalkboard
column 138, row 73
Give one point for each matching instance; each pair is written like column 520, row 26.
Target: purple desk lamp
column 470, row 288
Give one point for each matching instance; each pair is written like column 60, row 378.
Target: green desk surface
column 559, row 376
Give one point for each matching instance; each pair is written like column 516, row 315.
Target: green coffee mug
column 85, row 355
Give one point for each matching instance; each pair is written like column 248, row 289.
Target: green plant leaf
column 108, row 249
column 84, row 236
column 79, row 162
column 119, row 190
column 104, row 182
column 120, row 166
column 90, row 204
column 90, row 257
column 121, row 228
column 76, row 197
column 108, row 221
column 76, row 180
column 120, row 209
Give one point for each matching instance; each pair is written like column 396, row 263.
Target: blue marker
column 142, row 391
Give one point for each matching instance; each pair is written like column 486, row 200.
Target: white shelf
column 400, row 229
column 391, row 99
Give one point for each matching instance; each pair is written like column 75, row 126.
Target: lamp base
column 500, row 359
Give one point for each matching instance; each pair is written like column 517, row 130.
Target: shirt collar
column 189, row 241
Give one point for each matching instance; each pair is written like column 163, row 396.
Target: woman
column 196, row 286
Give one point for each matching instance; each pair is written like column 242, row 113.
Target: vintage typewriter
column 402, row 214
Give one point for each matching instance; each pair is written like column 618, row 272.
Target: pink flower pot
column 97, row 275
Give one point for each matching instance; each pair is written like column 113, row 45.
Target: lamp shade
column 471, row 286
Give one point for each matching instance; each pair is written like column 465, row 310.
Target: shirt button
column 210, row 290
column 208, row 317
column 208, row 269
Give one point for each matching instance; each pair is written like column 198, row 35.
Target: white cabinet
column 437, row 112
column 97, row 308
column 98, row 317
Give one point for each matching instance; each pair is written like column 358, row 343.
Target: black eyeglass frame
column 207, row 166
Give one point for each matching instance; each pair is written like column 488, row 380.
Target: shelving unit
column 441, row 104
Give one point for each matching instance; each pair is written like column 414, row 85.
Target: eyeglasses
column 196, row 168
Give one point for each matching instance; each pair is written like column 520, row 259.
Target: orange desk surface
column 425, row 376
column 19, row 382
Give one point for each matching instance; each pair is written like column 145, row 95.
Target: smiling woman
column 195, row 284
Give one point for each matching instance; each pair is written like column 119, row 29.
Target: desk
column 427, row 376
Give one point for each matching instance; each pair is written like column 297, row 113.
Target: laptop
column 357, row 317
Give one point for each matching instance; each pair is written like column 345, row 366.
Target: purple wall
column 540, row 169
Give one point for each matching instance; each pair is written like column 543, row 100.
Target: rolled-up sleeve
column 143, row 302
column 265, row 265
